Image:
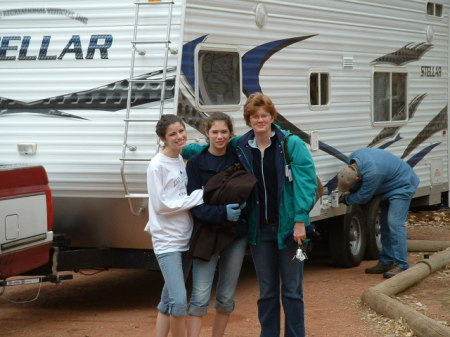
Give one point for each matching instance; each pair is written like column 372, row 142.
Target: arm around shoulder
column 192, row 149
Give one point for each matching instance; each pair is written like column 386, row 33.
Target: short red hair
column 256, row 101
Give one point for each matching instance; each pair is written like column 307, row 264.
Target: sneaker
column 394, row 271
column 379, row 268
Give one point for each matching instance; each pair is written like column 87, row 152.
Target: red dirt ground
column 121, row 303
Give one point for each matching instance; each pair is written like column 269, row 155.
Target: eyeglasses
column 257, row 117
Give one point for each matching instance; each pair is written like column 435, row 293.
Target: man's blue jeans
column 393, row 232
column 230, row 263
column 272, row 267
column 175, row 269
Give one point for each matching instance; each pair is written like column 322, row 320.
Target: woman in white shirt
column 170, row 223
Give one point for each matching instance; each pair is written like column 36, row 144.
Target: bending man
column 376, row 172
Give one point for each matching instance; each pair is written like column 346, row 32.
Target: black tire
column 348, row 239
column 372, row 212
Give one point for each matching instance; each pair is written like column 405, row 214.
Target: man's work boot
column 394, row 271
column 379, row 268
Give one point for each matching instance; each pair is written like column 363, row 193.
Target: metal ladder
column 132, row 82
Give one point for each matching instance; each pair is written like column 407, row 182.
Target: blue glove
column 242, row 206
column 233, row 212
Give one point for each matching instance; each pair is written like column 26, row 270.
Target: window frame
column 391, row 71
column 433, row 15
column 319, row 72
column 215, row 48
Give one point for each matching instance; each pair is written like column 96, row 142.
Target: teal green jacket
column 295, row 198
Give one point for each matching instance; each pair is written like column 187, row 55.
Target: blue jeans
column 175, row 269
column 230, row 263
column 393, row 232
column 273, row 266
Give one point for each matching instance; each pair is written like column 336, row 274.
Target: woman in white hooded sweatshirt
column 170, row 223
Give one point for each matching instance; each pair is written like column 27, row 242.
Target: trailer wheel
column 373, row 246
column 348, row 239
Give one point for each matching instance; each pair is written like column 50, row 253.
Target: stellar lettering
column 17, row 48
column 430, row 71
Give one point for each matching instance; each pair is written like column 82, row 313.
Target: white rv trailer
column 83, row 84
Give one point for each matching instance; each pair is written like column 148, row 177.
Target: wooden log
column 378, row 299
column 422, row 325
column 409, row 277
column 427, row 245
column 404, row 280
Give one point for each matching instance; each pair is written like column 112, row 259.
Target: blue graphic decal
column 188, row 58
column 254, row 59
column 386, row 145
column 420, row 155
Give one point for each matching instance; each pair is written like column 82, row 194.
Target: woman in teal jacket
column 295, row 209
column 279, row 210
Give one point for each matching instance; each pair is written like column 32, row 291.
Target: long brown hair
column 164, row 122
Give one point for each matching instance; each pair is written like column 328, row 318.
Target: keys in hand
column 300, row 254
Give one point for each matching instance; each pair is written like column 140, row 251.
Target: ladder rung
column 150, row 42
column 140, row 120
column 135, row 159
column 154, row 3
column 136, row 195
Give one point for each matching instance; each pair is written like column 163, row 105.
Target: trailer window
column 434, row 9
column 219, row 78
column 389, row 97
column 318, row 89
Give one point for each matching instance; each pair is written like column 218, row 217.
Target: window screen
column 218, row 78
column 389, row 97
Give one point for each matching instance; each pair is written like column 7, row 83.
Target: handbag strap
column 287, row 156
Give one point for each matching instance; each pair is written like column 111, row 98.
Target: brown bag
column 319, row 191
column 232, row 185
